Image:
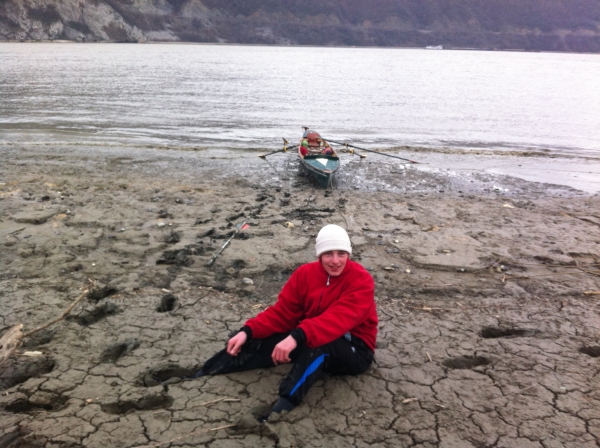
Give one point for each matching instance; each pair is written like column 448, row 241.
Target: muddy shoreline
column 487, row 337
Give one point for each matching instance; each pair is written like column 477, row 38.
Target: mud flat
column 487, row 293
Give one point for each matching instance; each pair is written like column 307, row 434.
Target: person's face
column 334, row 261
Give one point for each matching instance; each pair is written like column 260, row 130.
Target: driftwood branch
column 59, row 318
column 10, row 342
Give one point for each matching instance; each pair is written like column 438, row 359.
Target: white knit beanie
column 332, row 237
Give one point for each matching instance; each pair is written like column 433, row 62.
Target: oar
column 239, row 227
column 284, row 149
column 370, row 150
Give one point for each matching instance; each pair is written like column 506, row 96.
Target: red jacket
column 324, row 307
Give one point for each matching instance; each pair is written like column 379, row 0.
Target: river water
column 180, row 96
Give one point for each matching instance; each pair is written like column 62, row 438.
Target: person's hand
column 281, row 353
column 234, row 345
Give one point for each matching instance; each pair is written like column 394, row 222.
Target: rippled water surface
column 217, row 96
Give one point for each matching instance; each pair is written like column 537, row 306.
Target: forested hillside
column 547, row 25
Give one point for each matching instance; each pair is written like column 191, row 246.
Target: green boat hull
column 321, row 168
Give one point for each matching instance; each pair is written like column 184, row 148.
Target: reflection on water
column 209, row 96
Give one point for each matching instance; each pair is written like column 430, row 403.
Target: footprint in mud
column 96, row 314
column 263, row 197
column 311, row 213
column 181, row 257
column 238, row 264
column 167, row 303
column 17, row 370
column 176, row 257
column 594, row 351
column 143, row 403
column 166, row 374
column 466, row 362
column 114, row 351
column 95, row 295
column 504, row 332
column 41, row 338
column 44, row 403
column 172, row 238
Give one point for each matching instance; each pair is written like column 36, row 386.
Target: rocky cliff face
column 75, row 20
column 551, row 25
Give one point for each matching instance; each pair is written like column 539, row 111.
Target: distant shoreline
column 154, row 42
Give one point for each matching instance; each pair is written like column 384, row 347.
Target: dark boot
column 280, row 405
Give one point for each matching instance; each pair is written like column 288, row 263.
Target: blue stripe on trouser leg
column 311, row 369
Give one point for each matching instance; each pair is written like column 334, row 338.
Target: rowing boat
column 319, row 159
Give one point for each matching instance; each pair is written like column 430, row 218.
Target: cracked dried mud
column 486, row 336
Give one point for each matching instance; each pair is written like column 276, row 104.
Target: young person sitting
column 324, row 321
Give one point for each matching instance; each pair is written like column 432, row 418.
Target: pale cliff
column 551, row 25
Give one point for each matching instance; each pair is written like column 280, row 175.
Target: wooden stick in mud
column 10, row 342
column 592, row 293
column 59, row 318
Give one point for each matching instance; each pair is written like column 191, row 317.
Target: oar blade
column 284, row 149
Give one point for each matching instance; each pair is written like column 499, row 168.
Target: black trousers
column 340, row 357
